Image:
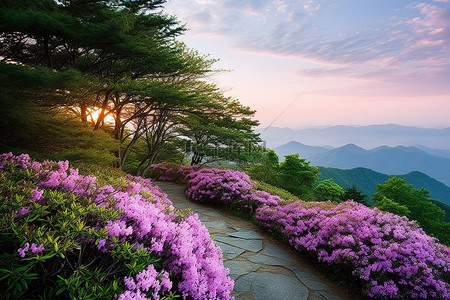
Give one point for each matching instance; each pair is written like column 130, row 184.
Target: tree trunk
column 101, row 116
column 83, row 112
column 48, row 57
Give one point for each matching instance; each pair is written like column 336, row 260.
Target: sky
column 303, row 63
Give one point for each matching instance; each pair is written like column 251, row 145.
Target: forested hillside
column 365, row 180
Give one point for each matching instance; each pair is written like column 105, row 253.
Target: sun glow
column 93, row 113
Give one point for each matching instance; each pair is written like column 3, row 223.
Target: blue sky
column 331, row 62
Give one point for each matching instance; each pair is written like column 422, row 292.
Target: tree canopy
column 328, row 190
column 352, row 193
column 297, row 176
column 398, row 197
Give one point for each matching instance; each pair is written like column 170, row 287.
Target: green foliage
column 365, row 180
column 104, row 174
column 283, row 194
column 22, row 80
column 218, row 128
column 268, row 171
column 444, row 207
column 294, row 175
column 29, row 128
column 386, row 204
column 417, row 201
column 70, row 267
column 328, row 190
column 297, row 176
column 354, row 194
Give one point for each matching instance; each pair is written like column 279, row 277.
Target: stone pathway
column 263, row 268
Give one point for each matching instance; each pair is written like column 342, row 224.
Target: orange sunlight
column 94, row 113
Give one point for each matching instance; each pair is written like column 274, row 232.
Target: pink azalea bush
column 229, row 188
column 392, row 256
column 147, row 220
column 172, row 172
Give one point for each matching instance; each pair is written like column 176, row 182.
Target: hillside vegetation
column 387, row 160
column 366, row 179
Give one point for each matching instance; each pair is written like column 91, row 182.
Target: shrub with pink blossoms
column 114, row 225
column 147, row 280
column 172, row 172
column 390, row 255
column 228, row 188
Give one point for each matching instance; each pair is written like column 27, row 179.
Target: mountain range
column 384, row 159
column 365, row 136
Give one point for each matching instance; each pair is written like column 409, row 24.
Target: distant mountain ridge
column 366, row 179
column 365, row 136
column 387, row 160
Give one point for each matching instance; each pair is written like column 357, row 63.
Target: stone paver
column 229, row 251
column 268, row 286
column 261, row 267
column 239, row 267
column 246, row 244
column 215, row 224
column 271, row 250
column 246, row 234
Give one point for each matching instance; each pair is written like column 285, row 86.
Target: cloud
column 412, row 41
column 242, row 18
column 418, row 43
column 202, row 18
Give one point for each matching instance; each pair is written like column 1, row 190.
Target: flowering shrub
column 228, row 188
column 163, row 172
column 172, row 172
column 392, row 256
column 130, row 230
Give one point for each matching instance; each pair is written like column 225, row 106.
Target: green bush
column 328, row 190
column 104, row 174
column 283, row 194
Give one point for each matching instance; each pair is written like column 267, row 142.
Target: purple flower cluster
column 392, row 256
column 22, row 160
column 227, row 186
column 147, row 220
column 162, row 172
column 183, row 244
column 147, row 280
column 172, row 172
column 34, row 249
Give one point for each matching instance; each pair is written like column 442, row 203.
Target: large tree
column 328, row 190
column 202, row 116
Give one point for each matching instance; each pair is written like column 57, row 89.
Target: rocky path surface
column 263, row 268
